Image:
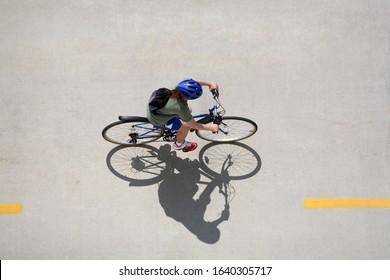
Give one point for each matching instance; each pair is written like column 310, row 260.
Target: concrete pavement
column 314, row 75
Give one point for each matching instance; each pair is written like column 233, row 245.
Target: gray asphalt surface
column 314, row 76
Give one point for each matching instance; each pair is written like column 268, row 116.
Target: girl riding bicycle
column 174, row 113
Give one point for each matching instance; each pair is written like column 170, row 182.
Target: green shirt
column 174, row 107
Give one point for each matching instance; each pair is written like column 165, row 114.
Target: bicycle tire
column 140, row 165
column 244, row 160
column 131, row 132
column 231, row 129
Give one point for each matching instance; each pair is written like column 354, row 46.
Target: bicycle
column 136, row 130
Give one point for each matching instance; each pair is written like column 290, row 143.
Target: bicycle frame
column 212, row 116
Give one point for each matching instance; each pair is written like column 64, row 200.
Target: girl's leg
column 182, row 133
column 182, row 130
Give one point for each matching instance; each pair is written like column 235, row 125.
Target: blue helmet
column 190, row 89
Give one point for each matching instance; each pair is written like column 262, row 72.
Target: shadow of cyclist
column 176, row 195
column 179, row 179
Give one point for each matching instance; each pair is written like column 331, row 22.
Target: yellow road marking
column 347, row 203
column 11, row 208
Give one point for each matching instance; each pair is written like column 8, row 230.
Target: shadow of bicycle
column 180, row 181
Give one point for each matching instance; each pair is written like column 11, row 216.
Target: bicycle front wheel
column 130, row 133
column 230, row 129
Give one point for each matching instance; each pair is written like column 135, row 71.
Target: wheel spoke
column 131, row 133
column 232, row 129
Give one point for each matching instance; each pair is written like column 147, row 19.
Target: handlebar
column 217, row 111
column 215, row 92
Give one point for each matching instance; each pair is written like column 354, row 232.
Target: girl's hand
column 213, row 85
column 214, row 127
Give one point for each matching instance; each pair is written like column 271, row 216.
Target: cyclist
column 175, row 114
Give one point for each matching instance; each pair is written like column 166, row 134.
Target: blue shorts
column 173, row 124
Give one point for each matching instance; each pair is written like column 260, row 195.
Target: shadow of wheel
column 244, row 162
column 138, row 165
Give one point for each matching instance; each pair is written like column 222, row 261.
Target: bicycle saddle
column 132, row 118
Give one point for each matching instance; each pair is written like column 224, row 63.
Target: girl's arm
column 210, row 84
column 198, row 126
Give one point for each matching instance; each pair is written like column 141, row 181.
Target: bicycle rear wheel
column 132, row 132
column 230, row 129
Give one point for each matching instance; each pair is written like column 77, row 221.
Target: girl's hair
column 175, row 94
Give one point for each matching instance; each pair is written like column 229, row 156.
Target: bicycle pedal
column 169, row 138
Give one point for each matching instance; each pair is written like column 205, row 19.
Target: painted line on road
column 15, row 208
column 347, row 203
